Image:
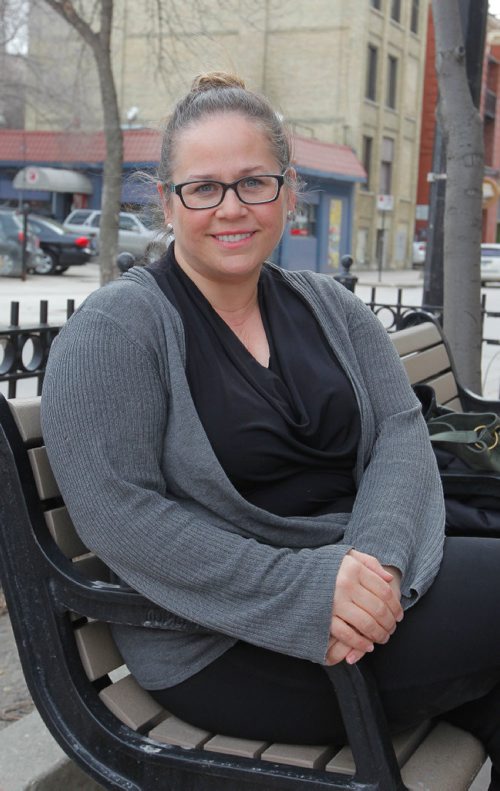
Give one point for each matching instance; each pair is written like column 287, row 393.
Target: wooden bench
column 426, row 356
column 61, row 602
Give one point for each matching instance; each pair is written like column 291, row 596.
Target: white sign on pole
column 385, row 202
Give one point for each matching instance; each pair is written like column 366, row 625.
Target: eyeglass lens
column 252, row 189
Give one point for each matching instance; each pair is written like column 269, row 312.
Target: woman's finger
column 346, row 634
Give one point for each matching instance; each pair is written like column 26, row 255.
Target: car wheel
column 61, row 270
column 46, row 263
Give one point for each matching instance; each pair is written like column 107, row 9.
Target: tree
column 462, row 129
column 99, row 42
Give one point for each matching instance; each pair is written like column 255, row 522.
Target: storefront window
column 304, row 222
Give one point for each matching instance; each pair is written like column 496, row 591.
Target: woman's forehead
column 221, row 139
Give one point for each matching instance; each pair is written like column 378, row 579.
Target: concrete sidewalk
column 31, row 760
column 390, row 278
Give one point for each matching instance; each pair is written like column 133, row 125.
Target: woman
column 258, row 465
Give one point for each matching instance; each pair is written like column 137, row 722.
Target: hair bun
column 216, row 79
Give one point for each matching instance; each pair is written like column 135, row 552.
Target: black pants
column 443, row 660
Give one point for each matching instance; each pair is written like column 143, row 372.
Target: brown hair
column 221, row 92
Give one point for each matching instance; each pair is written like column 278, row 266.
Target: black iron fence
column 24, row 350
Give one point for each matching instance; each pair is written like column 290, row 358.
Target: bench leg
column 366, row 728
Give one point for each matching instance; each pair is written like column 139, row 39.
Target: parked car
column 59, row 248
column 418, row 254
column 133, row 235
column 490, row 263
column 12, row 237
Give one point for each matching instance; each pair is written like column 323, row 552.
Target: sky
column 494, row 7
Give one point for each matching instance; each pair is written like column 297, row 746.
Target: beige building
column 342, row 71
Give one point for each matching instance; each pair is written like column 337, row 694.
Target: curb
column 31, row 760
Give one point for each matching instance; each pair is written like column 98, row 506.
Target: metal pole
column 25, row 241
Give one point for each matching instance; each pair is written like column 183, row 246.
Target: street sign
column 385, row 202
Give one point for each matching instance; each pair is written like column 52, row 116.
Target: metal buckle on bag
column 482, row 445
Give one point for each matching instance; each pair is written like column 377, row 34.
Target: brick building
column 490, row 111
column 342, row 72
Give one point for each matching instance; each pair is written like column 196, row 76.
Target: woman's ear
column 165, row 203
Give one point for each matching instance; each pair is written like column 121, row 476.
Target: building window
column 415, row 9
column 376, row 4
column 392, row 80
column 371, row 73
column 305, row 221
column 396, row 10
column 367, row 160
column 386, row 162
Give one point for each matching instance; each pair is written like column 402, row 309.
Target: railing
column 392, row 315
column 24, row 350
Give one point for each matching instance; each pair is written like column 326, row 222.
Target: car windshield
column 38, row 225
column 78, row 217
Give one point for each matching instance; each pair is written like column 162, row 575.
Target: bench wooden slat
column 26, row 412
column 430, row 362
column 175, row 731
column 132, row 704
column 413, row 339
column 448, row 760
column 44, row 477
column 244, row 748
column 92, row 567
column 306, row 756
column 98, row 650
column 404, row 745
column 445, row 387
column 63, row 532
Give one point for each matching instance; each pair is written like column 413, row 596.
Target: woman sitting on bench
column 240, row 444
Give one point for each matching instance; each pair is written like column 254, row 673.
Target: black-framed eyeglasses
column 208, row 194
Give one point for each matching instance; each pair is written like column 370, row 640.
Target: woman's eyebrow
column 211, row 177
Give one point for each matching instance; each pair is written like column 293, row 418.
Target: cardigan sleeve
column 398, row 514
column 105, row 410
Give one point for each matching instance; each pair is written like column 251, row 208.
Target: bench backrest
column 426, row 358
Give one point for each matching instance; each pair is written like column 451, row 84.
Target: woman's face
column 230, row 242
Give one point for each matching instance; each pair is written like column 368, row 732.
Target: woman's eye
column 252, row 183
column 206, row 188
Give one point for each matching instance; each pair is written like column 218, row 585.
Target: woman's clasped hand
column 366, row 607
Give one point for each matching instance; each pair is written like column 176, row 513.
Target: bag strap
column 486, row 439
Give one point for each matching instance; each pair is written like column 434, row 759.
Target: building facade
column 341, row 72
column 489, row 108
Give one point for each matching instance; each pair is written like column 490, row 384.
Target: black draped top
column 286, row 436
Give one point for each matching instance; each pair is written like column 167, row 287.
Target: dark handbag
column 473, row 437
column 467, row 450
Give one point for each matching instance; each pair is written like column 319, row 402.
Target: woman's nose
column 231, row 204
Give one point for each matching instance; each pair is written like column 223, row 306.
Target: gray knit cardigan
column 147, row 494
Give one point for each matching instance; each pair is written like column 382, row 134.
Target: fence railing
column 24, row 350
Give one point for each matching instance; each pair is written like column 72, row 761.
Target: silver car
column 490, row 263
column 133, row 235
